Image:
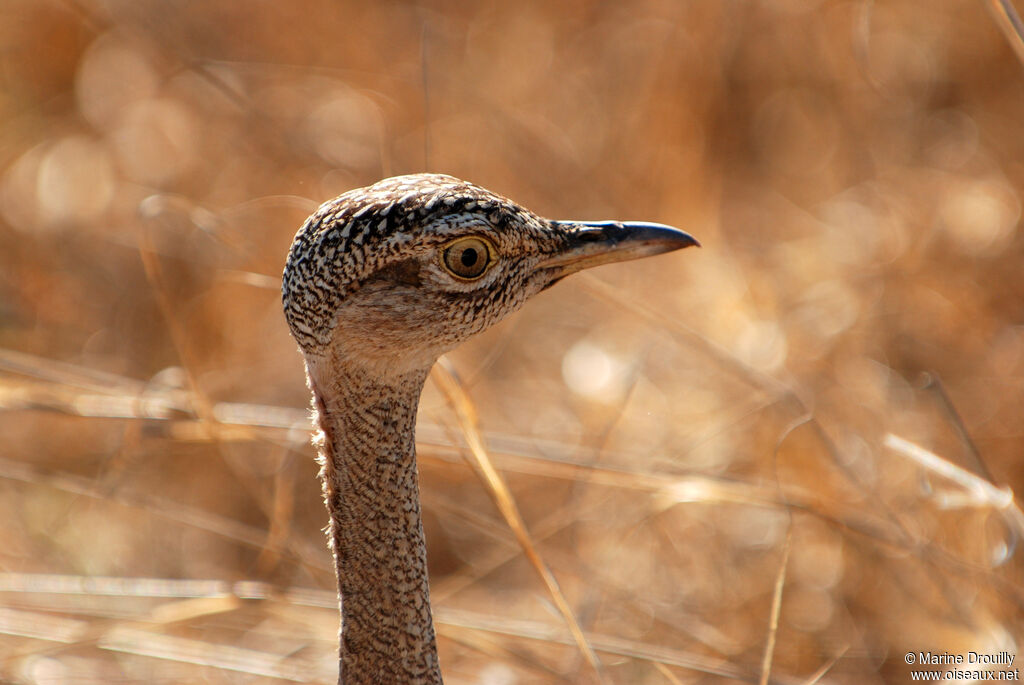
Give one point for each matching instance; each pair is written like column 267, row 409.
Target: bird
column 378, row 284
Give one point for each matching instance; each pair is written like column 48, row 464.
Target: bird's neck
column 370, row 483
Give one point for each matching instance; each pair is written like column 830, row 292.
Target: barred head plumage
column 360, row 233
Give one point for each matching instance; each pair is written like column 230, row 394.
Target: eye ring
column 467, row 258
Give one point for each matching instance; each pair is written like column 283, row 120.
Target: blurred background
column 787, row 457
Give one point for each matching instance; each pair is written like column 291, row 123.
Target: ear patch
column 406, row 272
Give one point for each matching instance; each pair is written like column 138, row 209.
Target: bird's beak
column 592, row 243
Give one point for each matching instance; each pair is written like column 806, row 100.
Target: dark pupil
column 468, row 257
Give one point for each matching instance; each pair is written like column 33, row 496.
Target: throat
column 370, row 483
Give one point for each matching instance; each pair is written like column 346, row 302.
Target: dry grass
column 788, row 457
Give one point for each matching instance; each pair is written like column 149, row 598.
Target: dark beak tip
column 680, row 240
column 683, row 240
column 668, row 235
column 680, row 244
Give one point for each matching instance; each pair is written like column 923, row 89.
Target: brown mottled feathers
column 367, row 303
column 378, row 284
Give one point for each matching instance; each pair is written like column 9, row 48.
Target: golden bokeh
column 787, row 457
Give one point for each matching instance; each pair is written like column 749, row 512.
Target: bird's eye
column 467, row 258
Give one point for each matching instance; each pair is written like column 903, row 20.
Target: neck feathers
column 370, row 482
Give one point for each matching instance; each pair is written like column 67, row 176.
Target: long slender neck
column 370, row 482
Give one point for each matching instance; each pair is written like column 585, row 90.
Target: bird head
column 391, row 276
